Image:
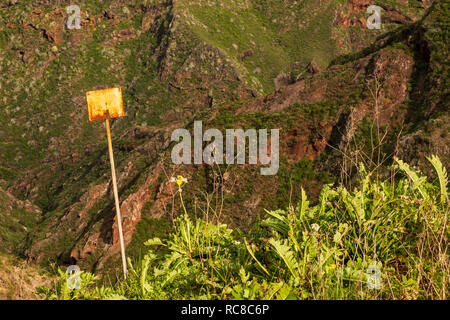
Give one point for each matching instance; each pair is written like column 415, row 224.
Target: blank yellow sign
column 102, row 102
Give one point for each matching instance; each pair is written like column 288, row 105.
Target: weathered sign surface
column 102, row 102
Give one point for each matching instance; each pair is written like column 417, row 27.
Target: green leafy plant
column 324, row 251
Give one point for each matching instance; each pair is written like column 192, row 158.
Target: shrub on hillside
column 382, row 240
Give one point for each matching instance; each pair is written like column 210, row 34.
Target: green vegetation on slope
column 47, row 141
column 326, row 251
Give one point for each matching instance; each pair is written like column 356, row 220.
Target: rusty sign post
column 104, row 105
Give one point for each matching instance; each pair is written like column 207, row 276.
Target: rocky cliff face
column 310, row 68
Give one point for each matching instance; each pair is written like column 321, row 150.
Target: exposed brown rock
column 126, row 34
column 245, row 54
column 313, row 68
column 282, row 80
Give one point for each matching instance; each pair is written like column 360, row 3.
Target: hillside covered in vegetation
column 348, row 101
column 381, row 240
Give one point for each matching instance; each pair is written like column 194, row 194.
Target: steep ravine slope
column 184, row 60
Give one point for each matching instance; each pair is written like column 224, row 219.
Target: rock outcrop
column 311, row 69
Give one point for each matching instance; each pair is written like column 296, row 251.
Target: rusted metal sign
column 103, row 105
column 104, row 102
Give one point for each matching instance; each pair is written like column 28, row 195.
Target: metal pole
column 116, row 197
